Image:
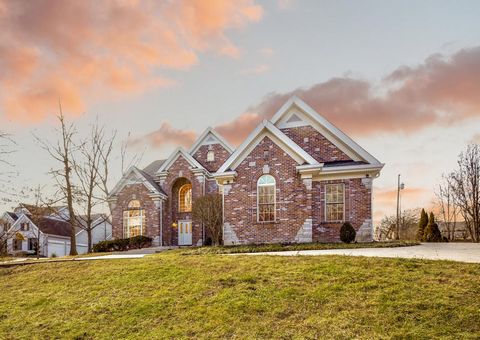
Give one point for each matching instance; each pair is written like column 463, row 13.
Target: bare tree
column 5, row 235
column 7, row 168
column 448, row 210
column 91, row 168
column 133, row 161
column 408, row 224
column 62, row 151
column 40, row 209
column 208, row 210
column 465, row 186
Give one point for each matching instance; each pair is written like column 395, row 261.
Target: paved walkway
column 462, row 252
column 110, row 257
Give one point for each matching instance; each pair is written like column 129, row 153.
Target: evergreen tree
column 422, row 225
column 432, row 232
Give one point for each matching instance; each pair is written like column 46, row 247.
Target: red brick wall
column 317, row 145
column 221, row 155
column 179, row 171
column 135, row 192
column 357, row 209
column 292, row 207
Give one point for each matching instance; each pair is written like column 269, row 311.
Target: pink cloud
column 440, row 91
column 167, row 135
column 77, row 50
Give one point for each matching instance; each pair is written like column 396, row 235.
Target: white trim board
column 174, row 156
column 203, row 140
column 322, row 125
column 264, row 129
column 139, row 176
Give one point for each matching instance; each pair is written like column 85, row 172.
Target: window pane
column 185, row 198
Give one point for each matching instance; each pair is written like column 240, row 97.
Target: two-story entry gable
column 295, row 178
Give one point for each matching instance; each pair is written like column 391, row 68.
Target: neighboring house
column 28, row 226
column 295, row 178
column 461, row 232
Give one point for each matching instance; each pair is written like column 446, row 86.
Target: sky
column 402, row 78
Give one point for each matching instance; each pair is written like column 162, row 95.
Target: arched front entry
column 182, row 199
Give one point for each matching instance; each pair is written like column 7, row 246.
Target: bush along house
column 296, row 178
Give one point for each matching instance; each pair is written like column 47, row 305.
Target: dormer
column 211, row 150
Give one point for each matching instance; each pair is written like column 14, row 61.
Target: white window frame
column 274, row 198
column 180, row 198
column 326, row 203
column 127, row 218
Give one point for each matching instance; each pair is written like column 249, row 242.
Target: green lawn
column 217, row 296
column 252, row 248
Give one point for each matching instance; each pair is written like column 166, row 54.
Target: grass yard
column 214, row 296
column 258, row 248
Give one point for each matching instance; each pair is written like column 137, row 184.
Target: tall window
column 185, row 198
column 266, row 198
column 334, row 202
column 210, row 156
column 133, row 220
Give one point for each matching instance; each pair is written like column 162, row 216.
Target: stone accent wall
column 315, row 144
column 180, row 173
column 293, row 207
column 358, row 210
column 221, row 155
column 141, row 193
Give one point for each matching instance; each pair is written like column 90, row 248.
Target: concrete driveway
column 462, row 252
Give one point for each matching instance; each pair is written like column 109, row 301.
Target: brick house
column 295, row 178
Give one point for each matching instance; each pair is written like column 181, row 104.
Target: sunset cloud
column 81, row 51
column 441, row 91
column 167, row 135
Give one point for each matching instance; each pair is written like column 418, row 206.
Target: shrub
column 432, row 232
column 122, row 244
column 138, row 242
column 422, row 224
column 347, row 233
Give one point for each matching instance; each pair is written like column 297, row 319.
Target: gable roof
column 210, row 136
column 53, row 226
column 266, row 128
column 12, row 215
column 175, row 155
column 330, row 131
column 153, row 167
column 142, row 177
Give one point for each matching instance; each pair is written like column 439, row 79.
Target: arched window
column 266, row 198
column 133, row 220
column 185, row 198
column 210, row 156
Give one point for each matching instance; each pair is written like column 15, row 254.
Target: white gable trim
column 21, row 219
column 203, row 140
column 7, row 216
column 278, row 137
column 124, row 181
column 330, row 131
column 175, row 155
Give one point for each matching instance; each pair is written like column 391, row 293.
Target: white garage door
column 57, row 248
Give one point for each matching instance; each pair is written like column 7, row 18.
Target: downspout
column 203, row 225
column 223, row 214
column 160, row 208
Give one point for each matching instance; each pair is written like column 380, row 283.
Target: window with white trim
column 210, row 156
column 133, row 220
column 266, row 187
column 185, row 198
column 334, row 202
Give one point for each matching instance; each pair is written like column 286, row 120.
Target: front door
column 185, row 233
